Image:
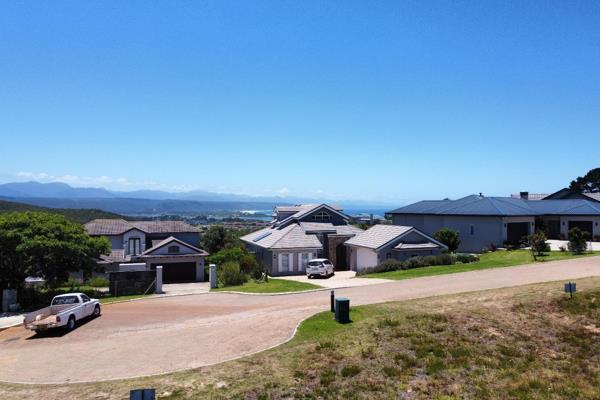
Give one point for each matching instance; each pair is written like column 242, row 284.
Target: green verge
column 112, row 299
column 495, row 259
column 273, row 286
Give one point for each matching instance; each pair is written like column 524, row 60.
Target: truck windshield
column 65, row 300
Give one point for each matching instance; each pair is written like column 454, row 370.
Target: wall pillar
column 200, row 271
column 159, row 279
column 213, row 276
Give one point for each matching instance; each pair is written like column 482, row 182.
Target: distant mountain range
column 148, row 202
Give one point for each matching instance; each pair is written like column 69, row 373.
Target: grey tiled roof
column 378, row 235
column 318, row 226
column 594, row 196
column 349, row 230
column 290, row 237
column 119, row 226
column 501, row 206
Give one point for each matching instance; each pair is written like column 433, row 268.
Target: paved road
column 172, row 333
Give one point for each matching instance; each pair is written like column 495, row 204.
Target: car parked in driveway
column 64, row 311
column 320, row 267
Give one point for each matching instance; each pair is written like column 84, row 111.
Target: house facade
column 300, row 233
column 483, row 222
column 147, row 244
column 383, row 242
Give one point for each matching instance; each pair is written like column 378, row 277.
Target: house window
column 322, row 216
column 134, row 246
column 472, row 230
column 173, row 249
column 388, row 256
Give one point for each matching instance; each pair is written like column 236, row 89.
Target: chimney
column 371, row 219
column 524, row 195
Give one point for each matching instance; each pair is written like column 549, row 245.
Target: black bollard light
column 332, row 301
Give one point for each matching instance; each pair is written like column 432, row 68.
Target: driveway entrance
column 341, row 279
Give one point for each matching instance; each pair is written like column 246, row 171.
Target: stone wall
column 333, row 242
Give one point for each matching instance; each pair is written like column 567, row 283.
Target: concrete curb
column 3, row 328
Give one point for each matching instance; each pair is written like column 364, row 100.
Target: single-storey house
column 383, row 242
column 483, row 221
column 171, row 244
column 300, row 233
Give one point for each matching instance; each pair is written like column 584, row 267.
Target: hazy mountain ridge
column 33, row 193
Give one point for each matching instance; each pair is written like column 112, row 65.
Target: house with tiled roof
column 171, row 244
column 300, row 233
column 484, row 222
column 383, row 242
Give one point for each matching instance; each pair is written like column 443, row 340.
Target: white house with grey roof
column 171, row 244
column 300, row 233
column 383, row 242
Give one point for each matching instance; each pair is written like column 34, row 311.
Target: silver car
column 319, row 267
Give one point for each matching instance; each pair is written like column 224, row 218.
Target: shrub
column 98, row 281
column 415, row 262
column 577, row 241
column 466, row 258
column 250, row 266
column 448, row 237
column 229, row 274
column 538, row 245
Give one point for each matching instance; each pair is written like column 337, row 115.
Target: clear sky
column 387, row 101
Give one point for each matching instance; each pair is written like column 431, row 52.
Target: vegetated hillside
column 76, row 215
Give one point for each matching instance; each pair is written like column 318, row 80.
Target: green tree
column 449, row 237
column 537, row 244
column 577, row 241
column 222, row 256
column 46, row 245
column 590, row 182
column 217, row 238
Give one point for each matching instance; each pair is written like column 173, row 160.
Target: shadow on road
column 59, row 332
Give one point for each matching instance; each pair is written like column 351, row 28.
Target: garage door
column 516, row 231
column 178, row 272
column 586, row 226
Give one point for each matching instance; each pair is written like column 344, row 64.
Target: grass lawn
column 110, row 299
column 273, row 286
column 528, row 342
column 487, row 260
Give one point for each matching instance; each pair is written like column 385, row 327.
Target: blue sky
column 385, row 101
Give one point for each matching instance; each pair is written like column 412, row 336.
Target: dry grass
column 518, row 343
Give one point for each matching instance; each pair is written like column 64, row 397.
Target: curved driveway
column 167, row 334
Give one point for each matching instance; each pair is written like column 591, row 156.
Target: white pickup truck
column 64, row 311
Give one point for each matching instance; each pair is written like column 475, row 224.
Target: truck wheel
column 71, row 323
column 96, row 311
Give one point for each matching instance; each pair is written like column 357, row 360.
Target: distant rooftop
column 120, row 226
